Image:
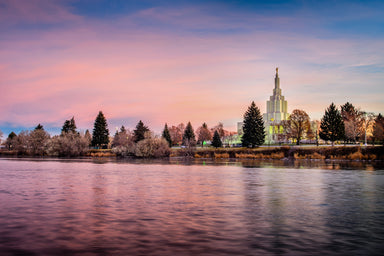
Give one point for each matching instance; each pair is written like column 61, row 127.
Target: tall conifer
column 69, row 126
column 100, row 135
column 189, row 136
column 332, row 125
column 216, row 141
column 166, row 135
column 139, row 132
column 253, row 127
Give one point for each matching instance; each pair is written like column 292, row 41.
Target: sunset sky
column 179, row 61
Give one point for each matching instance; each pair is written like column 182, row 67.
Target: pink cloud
column 164, row 77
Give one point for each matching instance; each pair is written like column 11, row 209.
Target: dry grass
column 102, row 154
column 336, row 153
column 279, row 155
column 314, row 155
column 223, row 155
column 356, row 156
column 252, row 156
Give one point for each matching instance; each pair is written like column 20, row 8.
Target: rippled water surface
column 51, row 207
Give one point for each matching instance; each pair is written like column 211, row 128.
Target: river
column 88, row 207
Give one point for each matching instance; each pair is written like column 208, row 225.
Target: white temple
column 277, row 108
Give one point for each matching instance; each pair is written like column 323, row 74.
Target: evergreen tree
column 69, row 126
column 39, row 127
column 12, row 135
column 253, row 127
column 65, row 128
column 139, row 132
column 378, row 129
column 10, row 140
column 332, row 125
column 216, row 141
column 166, row 135
column 100, row 135
column 189, row 136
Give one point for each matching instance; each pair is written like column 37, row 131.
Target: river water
column 85, row 207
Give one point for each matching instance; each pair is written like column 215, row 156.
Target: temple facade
column 277, row 111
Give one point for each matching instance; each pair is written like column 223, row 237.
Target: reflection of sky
column 108, row 207
column 175, row 61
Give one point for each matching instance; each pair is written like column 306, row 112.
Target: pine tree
column 139, row 132
column 69, row 126
column 72, row 125
column 39, row 127
column 253, row 127
column 189, row 136
column 166, row 135
column 10, row 140
column 378, row 129
column 100, row 135
column 216, row 141
column 332, row 125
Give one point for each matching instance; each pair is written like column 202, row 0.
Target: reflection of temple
column 276, row 112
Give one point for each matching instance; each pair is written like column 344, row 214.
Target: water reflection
column 222, row 208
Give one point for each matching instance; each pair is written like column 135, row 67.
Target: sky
column 179, row 61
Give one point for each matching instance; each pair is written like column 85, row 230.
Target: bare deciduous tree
column 220, row 130
column 38, row 142
column 353, row 122
column 176, row 133
column 203, row 134
column 300, row 126
column 1, row 135
column 68, row 144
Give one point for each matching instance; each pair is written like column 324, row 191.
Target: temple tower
column 277, row 111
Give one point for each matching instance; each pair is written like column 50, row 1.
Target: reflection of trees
column 265, row 209
column 99, row 213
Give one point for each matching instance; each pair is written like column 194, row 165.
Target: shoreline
column 282, row 153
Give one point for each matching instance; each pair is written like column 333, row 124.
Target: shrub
column 127, row 150
column 152, row 147
column 356, row 156
column 68, row 144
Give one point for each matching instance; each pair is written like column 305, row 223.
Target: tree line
column 349, row 124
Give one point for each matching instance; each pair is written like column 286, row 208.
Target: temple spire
column 277, row 83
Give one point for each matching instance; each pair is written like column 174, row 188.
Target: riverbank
column 261, row 153
column 289, row 152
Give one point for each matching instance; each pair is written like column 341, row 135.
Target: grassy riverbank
column 275, row 153
column 286, row 152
